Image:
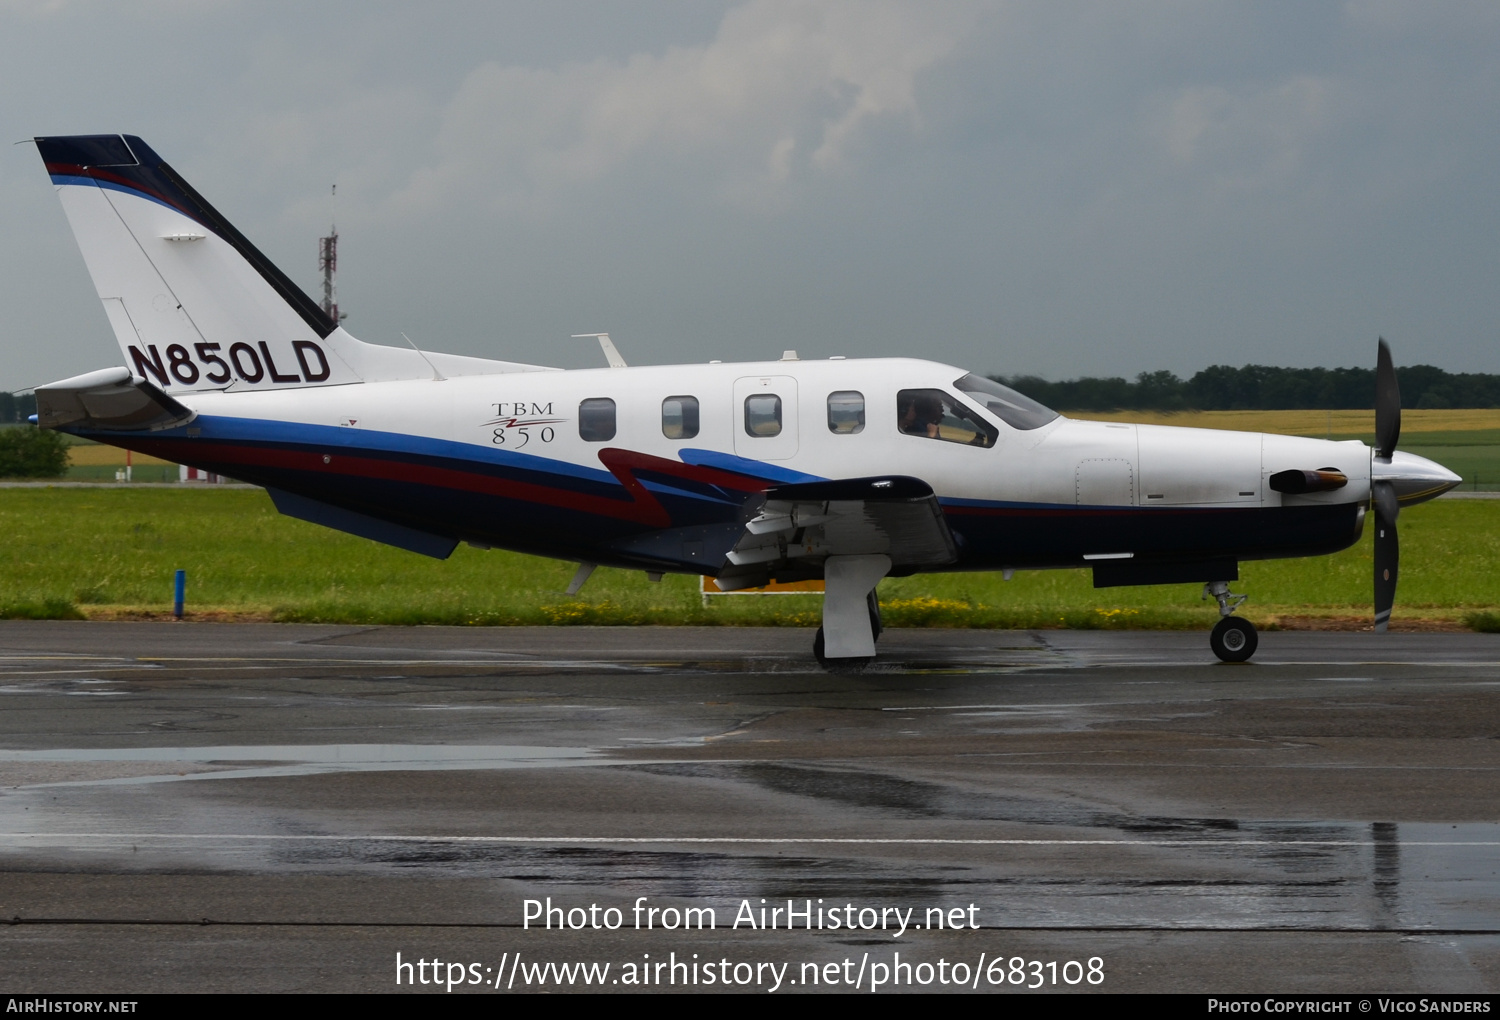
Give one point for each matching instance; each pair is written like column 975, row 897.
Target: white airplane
column 845, row 470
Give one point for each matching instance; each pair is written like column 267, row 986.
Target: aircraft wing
column 108, row 399
column 800, row 525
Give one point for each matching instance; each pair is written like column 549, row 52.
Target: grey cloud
column 783, row 88
column 1021, row 187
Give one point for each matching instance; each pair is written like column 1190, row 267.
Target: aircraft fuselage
column 540, row 462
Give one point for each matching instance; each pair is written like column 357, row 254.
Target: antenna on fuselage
column 436, row 375
column 607, row 346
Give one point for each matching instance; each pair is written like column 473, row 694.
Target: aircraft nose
column 1416, row 479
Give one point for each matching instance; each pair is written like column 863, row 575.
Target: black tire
column 875, row 625
column 853, row 662
column 1233, row 639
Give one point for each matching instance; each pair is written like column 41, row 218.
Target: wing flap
column 799, row 526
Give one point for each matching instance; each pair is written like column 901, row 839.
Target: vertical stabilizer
column 194, row 305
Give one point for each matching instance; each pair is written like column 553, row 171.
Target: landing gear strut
column 851, row 612
column 819, row 643
column 1233, row 638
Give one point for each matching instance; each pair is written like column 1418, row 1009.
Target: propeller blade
column 1387, row 404
column 1387, row 553
column 1387, row 504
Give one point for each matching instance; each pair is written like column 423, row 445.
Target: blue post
column 179, row 589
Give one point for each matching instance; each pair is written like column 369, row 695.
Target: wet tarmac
column 262, row 807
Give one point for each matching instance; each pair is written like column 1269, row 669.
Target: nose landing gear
column 1233, row 638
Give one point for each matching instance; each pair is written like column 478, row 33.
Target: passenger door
column 765, row 417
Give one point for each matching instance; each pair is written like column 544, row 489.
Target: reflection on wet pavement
column 1067, row 784
column 1075, row 866
column 246, row 761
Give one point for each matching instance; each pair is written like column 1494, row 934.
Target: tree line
column 16, row 407
column 28, row 452
column 1216, row 388
column 1261, row 388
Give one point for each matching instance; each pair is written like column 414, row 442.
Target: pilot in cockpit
column 921, row 411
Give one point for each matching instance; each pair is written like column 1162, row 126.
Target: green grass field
column 110, row 553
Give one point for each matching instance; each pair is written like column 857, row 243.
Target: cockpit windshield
column 1016, row 410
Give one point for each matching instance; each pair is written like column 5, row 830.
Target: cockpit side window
column 935, row 414
column 1015, row 409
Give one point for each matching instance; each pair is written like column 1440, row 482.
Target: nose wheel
column 1233, row 638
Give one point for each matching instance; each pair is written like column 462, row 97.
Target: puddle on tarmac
column 1367, row 877
column 1147, row 871
column 133, row 765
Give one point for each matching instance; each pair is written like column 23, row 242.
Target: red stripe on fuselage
column 624, row 463
column 642, row 508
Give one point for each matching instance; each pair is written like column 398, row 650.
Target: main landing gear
column 1233, row 638
column 851, row 612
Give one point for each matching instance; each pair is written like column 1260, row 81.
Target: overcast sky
column 1056, row 188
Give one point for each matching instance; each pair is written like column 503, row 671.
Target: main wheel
column 853, row 662
column 1233, row 639
column 875, row 625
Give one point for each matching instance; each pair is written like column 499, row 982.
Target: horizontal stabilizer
column 110, row 399
column 330, row 516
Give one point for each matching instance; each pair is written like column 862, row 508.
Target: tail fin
column 194, row 305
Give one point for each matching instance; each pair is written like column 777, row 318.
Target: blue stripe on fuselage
column 745, row 466
column 213, row 428
column 263, row 432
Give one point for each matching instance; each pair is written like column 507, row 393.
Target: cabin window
column 935, row 414
column 846, row 412
column 596, row 419
column 763, row 415
column 1015, row 409
column 679, row 417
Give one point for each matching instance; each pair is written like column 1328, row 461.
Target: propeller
column 1383, row 493
column 1387, row 404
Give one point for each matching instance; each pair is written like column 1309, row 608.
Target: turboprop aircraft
column 845, row 470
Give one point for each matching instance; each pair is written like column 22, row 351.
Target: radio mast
column 328, row 263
